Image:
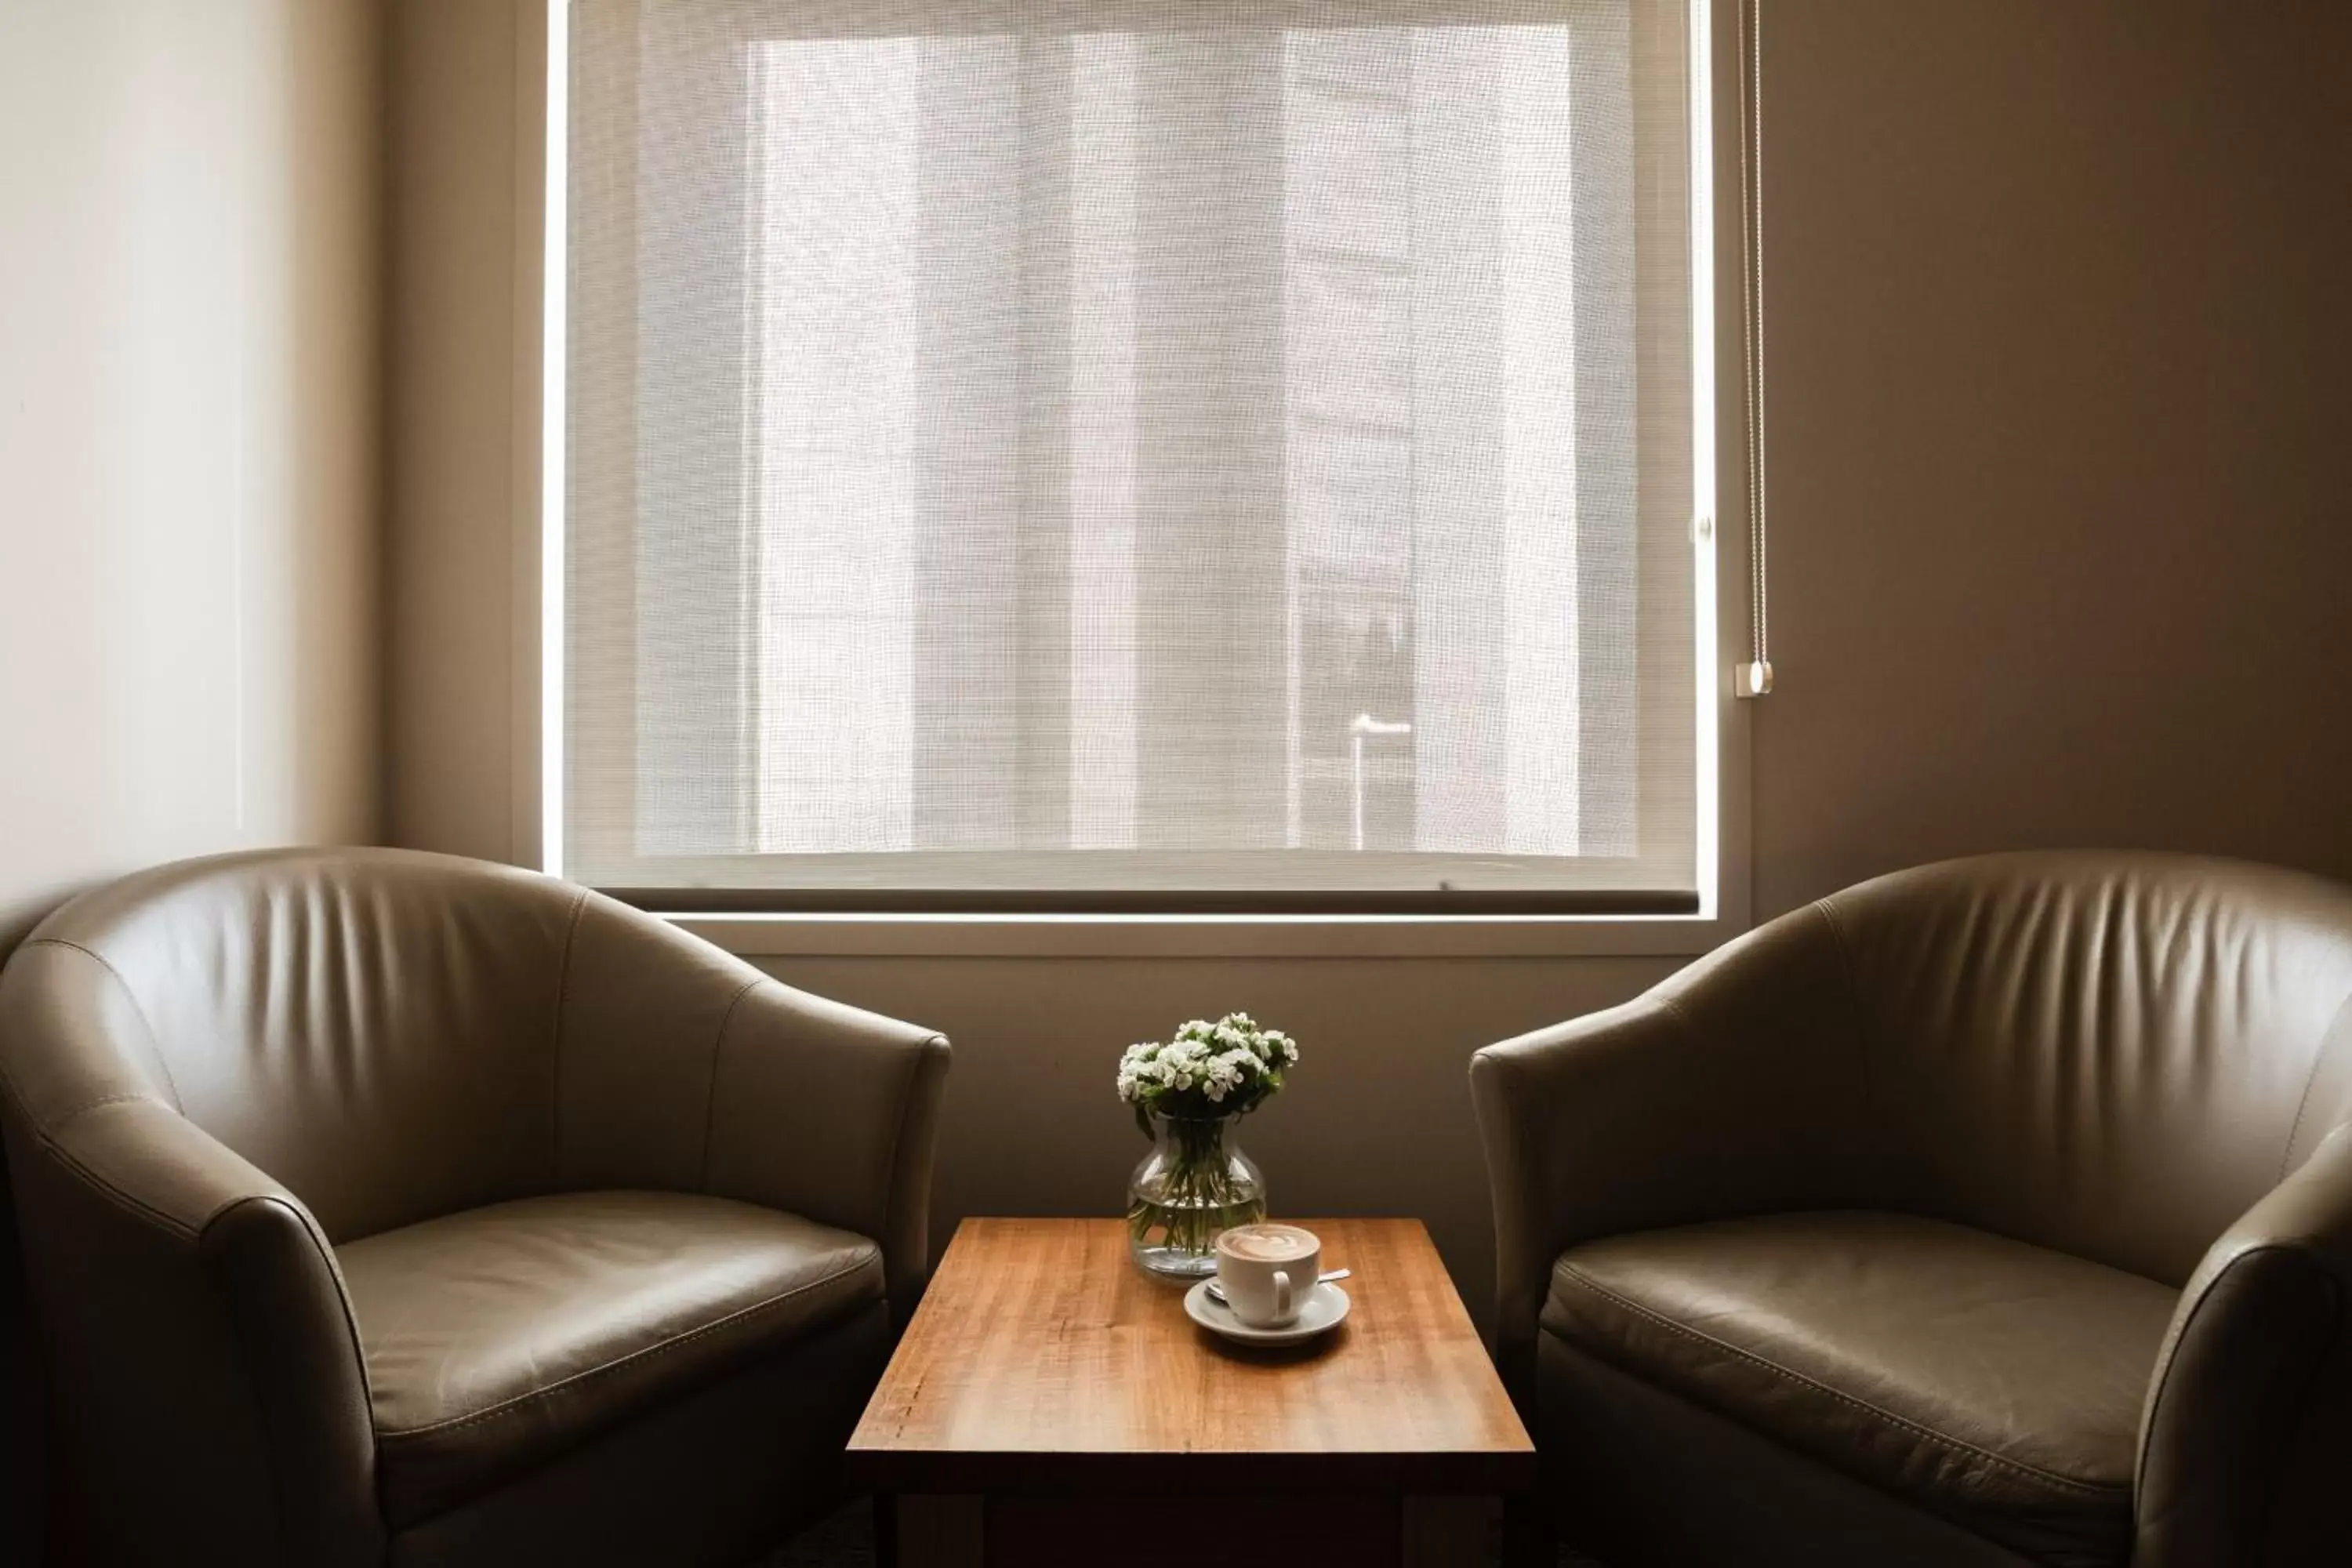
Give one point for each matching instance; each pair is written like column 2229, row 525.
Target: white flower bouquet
column 1207, row 1072
column 1183, row 1092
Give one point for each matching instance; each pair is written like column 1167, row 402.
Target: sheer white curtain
column 1171, row 448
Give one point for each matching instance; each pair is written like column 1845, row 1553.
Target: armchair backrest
column 2111, row 1055
column 213, row 1072
column 375, row 1029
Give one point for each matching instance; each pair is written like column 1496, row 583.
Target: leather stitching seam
column 1844, row 944
column 66, row 1119
column 898, row 1144
column 1830, row 918
column 126, row 1201
column 1865, row 1060
column 170, row 1084
column 1929, row 1434
column 710, row 1092
column 114, row 1195
column 2311, row 1081
column 555, row 1042
column 508, row 1406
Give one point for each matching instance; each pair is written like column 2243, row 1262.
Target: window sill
column 1209, row 936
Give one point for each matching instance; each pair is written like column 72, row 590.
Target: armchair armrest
column 196, row 1314
column 2247, row 1433
column 684, row 1069
column 1724, row 1090
column 830, row 1111
column 194, row 1318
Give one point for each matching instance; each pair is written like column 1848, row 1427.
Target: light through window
column 1105, row 454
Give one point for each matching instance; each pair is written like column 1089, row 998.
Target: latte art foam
column 1267, row 1242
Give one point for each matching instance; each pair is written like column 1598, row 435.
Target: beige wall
column 188, row 465
column 2058, row 325
column 188, row 234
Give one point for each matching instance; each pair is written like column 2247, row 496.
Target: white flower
column 1231, row 1063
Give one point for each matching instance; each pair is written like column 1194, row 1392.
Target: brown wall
column 1377, row 1119
column 2054, row 289
column 454, row 322
column 2060, row 328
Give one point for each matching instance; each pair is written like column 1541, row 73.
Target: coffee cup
column 1267, row 1272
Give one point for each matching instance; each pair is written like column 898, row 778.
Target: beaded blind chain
column 1754, row 677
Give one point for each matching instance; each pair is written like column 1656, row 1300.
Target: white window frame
column 1719, row 531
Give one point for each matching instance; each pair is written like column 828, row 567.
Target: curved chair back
column 374, row 1029
column 2109, row 1055
column 214, row 1075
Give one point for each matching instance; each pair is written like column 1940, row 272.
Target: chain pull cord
column 1753, row 679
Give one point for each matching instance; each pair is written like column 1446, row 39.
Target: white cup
column 1267, row 1272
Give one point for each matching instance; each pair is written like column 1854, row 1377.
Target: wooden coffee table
column 1050, row 1404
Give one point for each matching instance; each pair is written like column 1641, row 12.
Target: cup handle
column 1282, row 1312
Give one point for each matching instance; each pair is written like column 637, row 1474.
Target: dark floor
column 844, row 1540
column 847, row 1541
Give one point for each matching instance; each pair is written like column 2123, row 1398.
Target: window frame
column 791, row 921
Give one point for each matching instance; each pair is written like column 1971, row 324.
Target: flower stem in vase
column 1184, row 1094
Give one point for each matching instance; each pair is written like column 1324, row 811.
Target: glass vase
column 1194, row 1184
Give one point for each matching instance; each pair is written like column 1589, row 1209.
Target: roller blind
column 1130, row 454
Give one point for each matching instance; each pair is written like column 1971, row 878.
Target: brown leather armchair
column 389, row 1208
column 1996, row 1212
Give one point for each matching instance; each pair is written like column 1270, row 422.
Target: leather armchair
column 1995, row 1211
column 390, row 1207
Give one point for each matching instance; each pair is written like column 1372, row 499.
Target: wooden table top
column 1042, row 1358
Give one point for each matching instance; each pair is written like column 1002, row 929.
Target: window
column 1148, row 453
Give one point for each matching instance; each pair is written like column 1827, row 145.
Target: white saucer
column 1322, row 1311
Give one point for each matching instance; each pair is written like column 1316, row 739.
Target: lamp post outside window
column 1361, row 725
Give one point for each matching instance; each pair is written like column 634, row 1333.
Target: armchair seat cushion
column 1996, row 1383
column 499, row 1337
